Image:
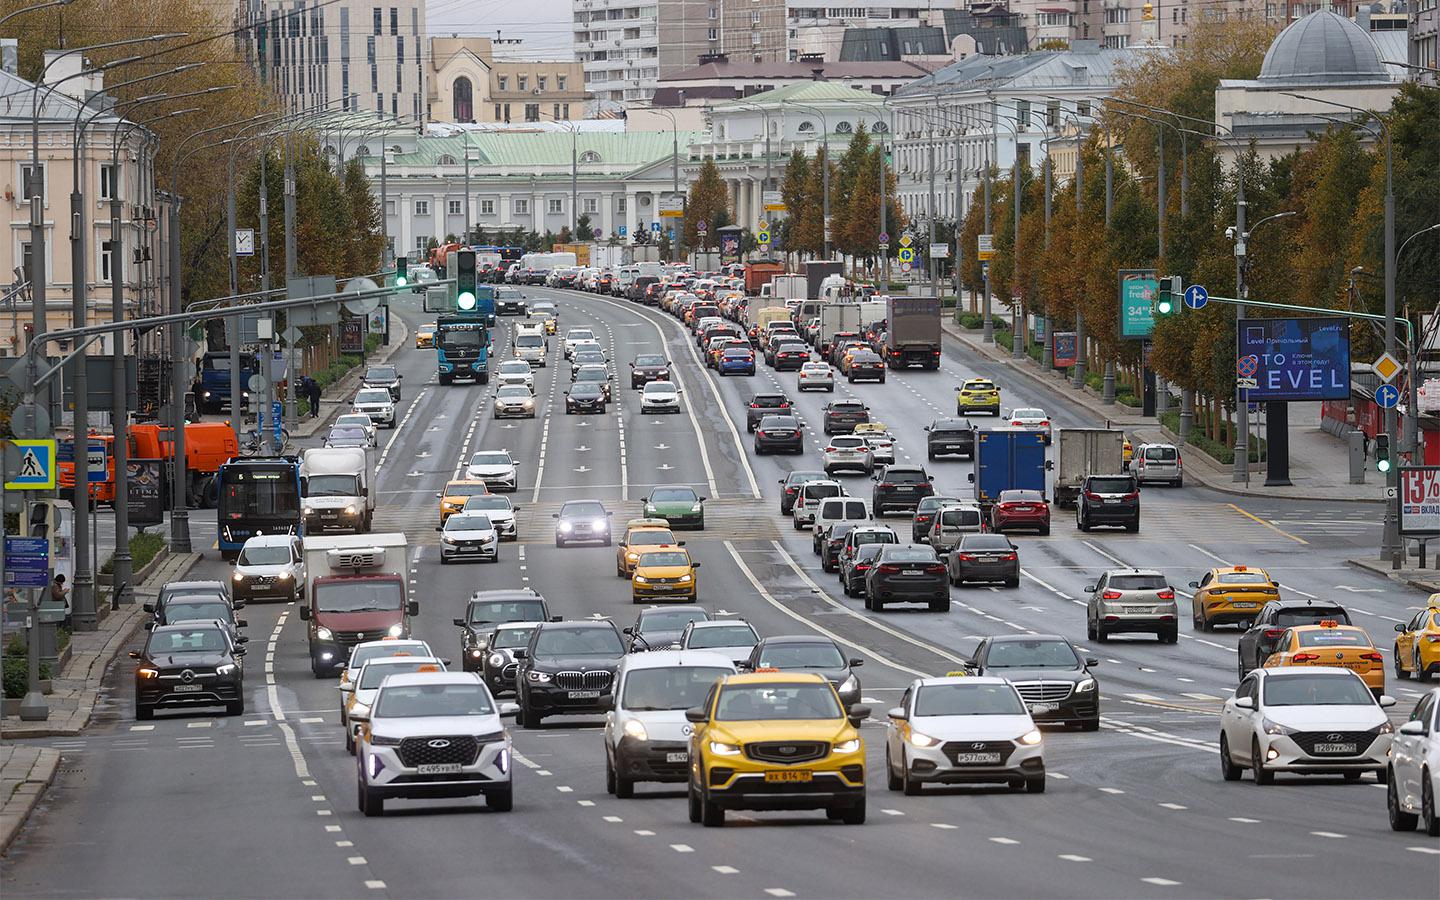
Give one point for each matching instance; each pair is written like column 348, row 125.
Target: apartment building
column 625, row 46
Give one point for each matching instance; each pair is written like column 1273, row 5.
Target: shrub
column 143, row 548
column 16, row 668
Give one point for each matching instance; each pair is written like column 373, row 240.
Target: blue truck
column 213, row 393
column 462, row 345
column 485, row 303
column 1008, row 459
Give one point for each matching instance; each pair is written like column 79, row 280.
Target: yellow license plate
column 790, row 775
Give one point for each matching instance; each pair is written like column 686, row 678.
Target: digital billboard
column 1294, row 359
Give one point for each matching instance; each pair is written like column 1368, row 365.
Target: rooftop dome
column 1322, row 48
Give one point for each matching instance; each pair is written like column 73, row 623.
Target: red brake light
column 1110, row 595
column 1305, row 657
column 1372, row 657
column 797, row 434
column 886, row 484
column 1166, row 594
column 1273, row 633
column 1009, row 557
column 1133, row 495
column 967, row 557
column 1091, row 495
column 1016, row 423
column 889, row 568
column 935, row 569
column 1045, row 424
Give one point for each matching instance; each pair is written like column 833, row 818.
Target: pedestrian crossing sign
column 35, row 466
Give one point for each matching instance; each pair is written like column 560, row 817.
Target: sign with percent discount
column 1420, row 501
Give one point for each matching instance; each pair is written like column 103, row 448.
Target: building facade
column 1424, row 34
column 468, row 85
column 625, row 46
column 347, row 55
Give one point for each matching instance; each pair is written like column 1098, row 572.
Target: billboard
column 1066, row 350
column 1419, row 500
column 1295, row 359
column 1138, row 290
column 145, row 497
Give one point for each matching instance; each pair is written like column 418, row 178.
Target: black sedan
column 779, row 434
column 585, row 397
column 866, row 366
column 907, row 573
column 647, row 368
column 582, row 520
column 830, row 546
column 191, row 664
column 809, row 653
column 660, row 627
column 950, row 436
column 984, row 557
column 1052, row 677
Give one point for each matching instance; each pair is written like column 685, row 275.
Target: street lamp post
column 674, row 172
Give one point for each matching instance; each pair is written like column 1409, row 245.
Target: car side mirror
column 304, row 613
column 134, row 654
column 438, row 495
column 1400, row 626
column 459, row 622
column 520, row 653
column 554, row 515
column 856, row 662
column 242, row 623
column 509, row 709
column 1244, row 702
column 696, row 715
column 148, row 607
column 970, row 477
column 628, row 629
column 1386, row 701
column 681, row 544
column 1089, row 588
column 857, row 714
column 1414, row 729
column 347, row 687
column 412, row 608
column 1049, row 465
column 238, row 604
column 557, row 618
column 898, row 714
column 607, row 703
column 242, row 640
column 148, row 625
column 1092, row 660
column 239, row 651
column 1194, row 584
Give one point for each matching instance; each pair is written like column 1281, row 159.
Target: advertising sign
column 144, row 497
column 377, row 320
column 730, row 247
column 352, row 336
column 1295, row 359
column 1138, row 290
column 1065, row 349
column 1419, row 500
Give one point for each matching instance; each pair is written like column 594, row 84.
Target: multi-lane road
column 264, row 805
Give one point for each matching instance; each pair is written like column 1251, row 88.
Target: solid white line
column 1162, row 882
column 1199, row 549
column 540, row 469
column 1115, row 559
column 399, row 427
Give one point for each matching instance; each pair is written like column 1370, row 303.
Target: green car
column 677, row 505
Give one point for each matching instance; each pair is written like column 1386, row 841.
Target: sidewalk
column 1319, row 461
column 1409, row 574
column 25, row 773
column 336, row 398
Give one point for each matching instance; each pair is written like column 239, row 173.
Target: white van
column 806, row 503
column 836, row 509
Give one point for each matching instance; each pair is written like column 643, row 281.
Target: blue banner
column 1294, row 359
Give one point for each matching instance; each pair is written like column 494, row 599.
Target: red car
column 1020, row 509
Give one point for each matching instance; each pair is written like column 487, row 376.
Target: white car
column 356, row 697
column 494, row 467
column 270, row 566
column 1307, row 720
column 1414, row 778
column 848, row 451
column 1158, row 462
column 357, row 420
column 882, row 446
column 535, row 327
column 469, row 535
column 576, row 335
column 453, row 716
column 531, row 348
column 731, row 638
column 375, row 403
column 816, row 376
column 584, row 345
column 646, row 733
column 982, row 719
column 1033, row 419
column 515, row 371
column 368, row 650
column 802, row 513
column 514, row 401
column 500, row 510
column 660, row 396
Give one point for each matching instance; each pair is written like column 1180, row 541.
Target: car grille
column 509, row 672
column 1307, row 740
column 418, row 751
column 582, row 681
column 953, row 748
column 1043, row 691
column 787, row 751
column 351, row 638
column 676, row 580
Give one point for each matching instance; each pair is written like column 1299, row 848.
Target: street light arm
column 36, row 8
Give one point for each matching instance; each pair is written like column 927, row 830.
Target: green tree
column 792, row 194
column 709, row 202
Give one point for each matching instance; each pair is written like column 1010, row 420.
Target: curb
column 28, row 793
column 1403, row 576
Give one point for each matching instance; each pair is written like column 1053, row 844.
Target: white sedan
column 469, row 535
column 1031, row 418
column 500, row 510
column 515, row 371
column 1307, row 720
column 494, row 467
column 817, row 376
column 882, row 446
column 514, row 401
column 984, row 717
column 1414, row 782
column 660, row 396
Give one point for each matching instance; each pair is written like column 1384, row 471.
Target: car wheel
column 1101, row 634
column 370, row 802
column 1035, row 785
column 1133, row 527
column 1421, row 673
column 1170, row 635
column 869, row 604
column 711, row 816
column 1080, row 522
column 624, row 787
column 1263, row 776
column 501, row 799
column 1430, row 816
column 1089, row 630
column 1206, row 625
column 854, row 815
column 1397, row 666
column 693, row 798
column 892, row 779
column 1044, row 530
column 609, row 776
column 1012, row 582
column 1228, row 770
column 529, row 718
column 1090, row 725
column 940, row 605
column 559, row 541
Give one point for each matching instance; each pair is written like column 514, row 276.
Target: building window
column 1117, row 15
column 522, row 207
column 621, row 205
column 26, row 179
column 27, row 260
column 589, row 156
column 1082, row 108
column 532, row 112
column 554, row 207
column 590, row 205
column 445, row 159
column 107, row 261
column 541, row 81
column 754, row 17
column 560, row 81
column 1022, row 114
column 555, row 112
column 454, row 207
column 565, row 111
column 422, row 207
column 497, row 112
column 1053, row 19
column 378, row 19
column 463, row 100
column 806, row 127
column 394, row 21
column 522, row 82
column 487, row 207
column 844, row 128
column 1052, row 115
column 712, row 14
column 108, row 185
column 507, row 113
column 713, row 34
column 422, row 242
column 502, row 82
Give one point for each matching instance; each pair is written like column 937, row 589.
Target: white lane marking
column 892, row 812
column 944, row 826
column 779, row 892
column 1074, row 857
column 1329, row 834
column 682, row 848
column 726, row 870
column 1295, row 590
column 644, row 832
column 322, row 812
column 332, row 828
column 613, row 819
column 1059, row 776
column 142, row 727
column 1003, row 840
column 1201, row 550
column 1162, row 882
column 395, row 432
column 311, row 720
column 1244, row 821
column 1110, row 790
column 355, row 860
column 1196, row 695
column 199, row 724
column 344, row 843
column 522, row 759
column 586, row 802
column 1171, row 806
column 1435, row 850
column 544, row 438
column 375, row 885
column 564, row 788
column 1115, row 559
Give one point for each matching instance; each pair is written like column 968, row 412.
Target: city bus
column 256, row 495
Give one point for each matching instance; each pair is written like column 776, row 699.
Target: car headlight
column 1270, row 726
column 147, row 672
column 284, row 576
column 529, row 404
column 720, row 748
column 446, row 539
column 396, row 630
column 849, row 746
column 349, row 510
column 225, row 669
column 309, row 510
column 476, row 652
column 695, row 508
column 379, row 740
column 497, row 659
column 641, row 579
column 851, row 683
column 1030, row 738
column 598, row 523
column 238, row 576
column 323, row 633
column 1087, row 684
column 632, row 557
column 922, row 740
column 565, row 526
column 1386, row 728
column 636, row 729
column 538, row 677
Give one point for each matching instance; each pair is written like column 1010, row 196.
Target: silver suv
column 1129, row 600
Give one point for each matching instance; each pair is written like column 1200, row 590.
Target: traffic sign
column 1247, row 366
column 884, row 238
column 906, row 240
column 623, row 230
column 654, row 226
column 37, row 466
column 702, row 226
column 29, row 420
column 1387, row 367
column 762, row 225
column 762, row 237
column 907, row 254
column 1196, row 296
column 984, row 247
column 1247, row 384
column 884, row 246
column 905, row 267
column 95, row 463
column 27, row 562
column 1387, row 396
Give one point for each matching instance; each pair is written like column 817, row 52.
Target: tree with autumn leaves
column 708, row 201
column 855, row 182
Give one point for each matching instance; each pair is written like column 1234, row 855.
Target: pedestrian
column 312, row 388
column 60, row 594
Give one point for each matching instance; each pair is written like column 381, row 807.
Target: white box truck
column 356, row 593
column 337, row 484
column 834, row 319
column 784, row 287
column 1082, row 452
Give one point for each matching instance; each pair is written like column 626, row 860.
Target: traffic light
column 465, row 280
column 1167, row 302
column 1382, row 452
column 402, row 271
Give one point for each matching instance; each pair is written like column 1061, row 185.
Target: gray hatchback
column 907, row 573
column 984, row 557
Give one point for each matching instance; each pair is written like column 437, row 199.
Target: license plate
column 329, row 515
column 1244, row 605
column 439, row 769
column 662, row 587
column 677, row 757
column 1043, row 707
column 977, row 759
column 583, row 695
column 800, row 775
column 188, row 688
column 913, row 572
column 1112, row 499
column 1336, row 748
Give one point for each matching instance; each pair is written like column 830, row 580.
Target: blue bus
column 256, row 495
column 462, row 345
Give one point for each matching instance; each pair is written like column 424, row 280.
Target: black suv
column 1052, row 677
column 777, row 434
column 947, row 436
column 762, row 405
column 383, row 376
column 648, row 367
column 1259, row 640
column 509, row 302
column 194, row 664
column 841, row 416
column 567, row 668
column 490, row 608
column 1108, row 500
column 900, row 487
column 637, row 290
column 582, row 520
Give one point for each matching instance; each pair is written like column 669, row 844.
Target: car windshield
column 514, row 367
column 1031, row 655
column 582, row 508
column 960, row 517
column 359, row 420
column 1327, row 689
column 659, row 387
column 910, row 555
column 769, row 401
column 382, row 649
column 264, row 556
column 769, row 702
column 465, row 488
column 670, row 620
column 905, row 476
column 514, row 391
column 192, row 610
column 186, row 640
column 670, row 688
column 801, row 656
column 1111, row 485
column 592, row 373
column 673, row 495
column 1334, row 637
column 1255, row 577
column 976, row 699
column 1021, row 497
column 380, row 373
column 1028, row 414
column 414, row 701
column 979, row 386
column 562, row 641
column 510, row 638
column 330, row 486
column 815, row 367
column 817, row 491
column 666, row 558
column 722, row 636
column 489, row 611
column 354, row 595
column 468, row 521
column 1287, row 618
column 738, row 353
column 585, row 388
column 378, row 395
column 868, row 552
column 373, row 674
column 651, row 538
column 490, row 459
column 1164, row 454
column 650, row 361
column 1138, row 582
column 985, row 542
column 847, row 441
column 488, row 502
column 529, row 340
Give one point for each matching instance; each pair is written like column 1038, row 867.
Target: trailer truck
column 1082, row 452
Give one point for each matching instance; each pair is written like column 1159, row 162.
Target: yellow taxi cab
column 453, row 498
column 1230, row 594
column 847, row 353
column 1417, row 646
column 871, row 428
column 425, row 335
column 977, row 395
column 664, row 572
column 1331, row 644
column 641, row 534
column 776, row 740
column 547, row 319
column 1129, row 452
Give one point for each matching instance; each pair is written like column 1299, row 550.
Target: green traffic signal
column 465, row 301
column 1382, row 452
column 1166, row 300
column 1166, row 305
column 402, row 271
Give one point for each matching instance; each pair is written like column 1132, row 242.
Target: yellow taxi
column 871, row 428
column 1417, row 646
column 1331, row 644
column 1230, row 594
column 664, row 572
column 776, row 740
column 425, row 335
column 641, row 534
column 547, row 319
column 453, row 498
column 847, row 353
column 1129, row 452
column 977, row 395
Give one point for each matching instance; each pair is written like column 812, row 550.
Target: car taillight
column 1091, row 495
column 829, row 450
column 862, row 567
column 1372, row 657
column 1166, row 595
column 1433, row 638
column 1110, row 595
column 1045, row 424
column 791, row 490
column 885, row 485
column 1016, row 423
column 935, row 569
column 1133, row 495
column 967, row 557
column 888, row 569
column 797, row 434
column 1009, row 557
column 1273, row 633
column 1305, row 657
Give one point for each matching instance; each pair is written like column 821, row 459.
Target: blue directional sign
column 671, row 233
column 655, row 226
column 623, row 230
column 1196, row 296
column 27, row 562
column 1386, row 396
